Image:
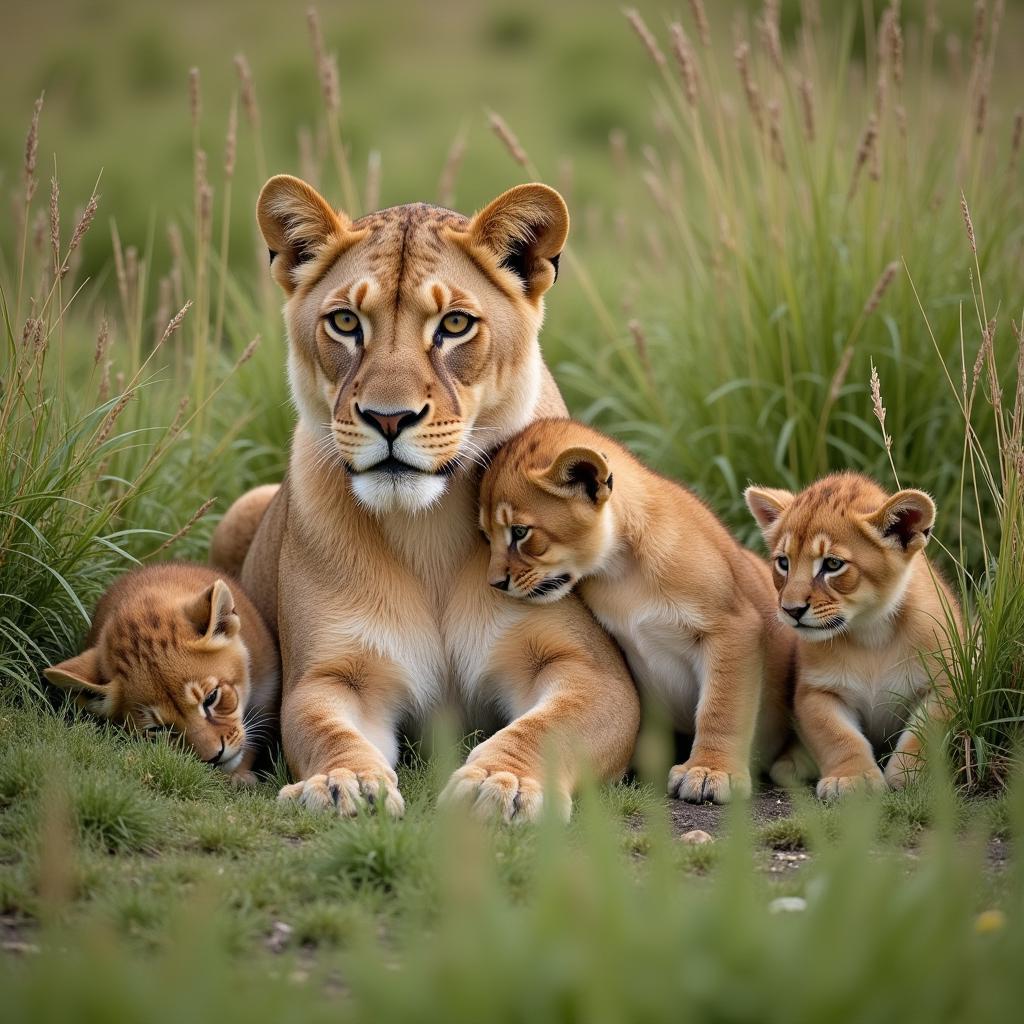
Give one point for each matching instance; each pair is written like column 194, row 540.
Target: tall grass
column 758, row 244
column 804, row 224
column 94, row 476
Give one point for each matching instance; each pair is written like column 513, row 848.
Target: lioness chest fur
column 693, row 611
column 412, row 351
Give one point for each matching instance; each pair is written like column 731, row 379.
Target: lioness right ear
column 525, row 228
column 767, row 504
column 577, row 468
column 296, row 222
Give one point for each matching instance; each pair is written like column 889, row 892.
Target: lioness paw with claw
column 347, row 792
column 500, row 795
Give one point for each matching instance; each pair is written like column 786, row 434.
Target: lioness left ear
column 525, row 228
column 213, row 614
column 905, row 519
column 577, row 468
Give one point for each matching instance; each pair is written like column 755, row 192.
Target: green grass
column 717, row 311
column 128, row 887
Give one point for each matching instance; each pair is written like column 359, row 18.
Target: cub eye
column 832, row 564
column 520, row 532
column 344, row 323
column 454, row 325
column 211, row 698
column 782, row 563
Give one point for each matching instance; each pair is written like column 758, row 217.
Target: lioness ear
column 578, row 468
column 525, row 228
column 905, row 519
column 296, row 222
column 767, row 504
column 213, row 614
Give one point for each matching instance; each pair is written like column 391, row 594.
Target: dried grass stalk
column 645, row 34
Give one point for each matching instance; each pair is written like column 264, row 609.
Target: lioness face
column 840, row 551
column 413, row 331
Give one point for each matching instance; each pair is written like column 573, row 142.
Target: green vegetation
column 759, row 219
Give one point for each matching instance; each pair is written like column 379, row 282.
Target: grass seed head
column 32, row 150
column 645, row 34
column 700, row 19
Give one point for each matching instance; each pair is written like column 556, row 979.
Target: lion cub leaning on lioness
column 174, row 647
column 849, row 569
column 693, row 611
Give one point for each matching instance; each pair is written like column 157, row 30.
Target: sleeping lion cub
column 693, row 611
column 172, row 647
column 870, row 612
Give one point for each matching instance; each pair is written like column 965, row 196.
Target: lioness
column 413, row 351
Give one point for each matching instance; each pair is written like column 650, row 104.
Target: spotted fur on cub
column 177, row 647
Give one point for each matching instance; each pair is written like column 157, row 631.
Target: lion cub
column 692, row 610
column 870, row 614
column 174, row 647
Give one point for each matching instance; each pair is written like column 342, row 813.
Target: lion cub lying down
column 693, row 611
column 869, row 611
column 174, row 647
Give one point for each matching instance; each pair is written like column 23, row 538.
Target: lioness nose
column 390, row 424
column 501, row 584
column 796, row 612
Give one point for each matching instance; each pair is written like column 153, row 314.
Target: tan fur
column 163, row 638
column 375, row 576
column 228, row 547
column 692, row 610
column 872, row 631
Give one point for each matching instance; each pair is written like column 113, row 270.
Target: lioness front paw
column 499, row 795
column 698, row 784
column 347, row 792
column 831, row 787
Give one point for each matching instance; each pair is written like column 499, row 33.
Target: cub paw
column 243, row 779
column 697, row 784
column 347, row 792
column 904, row 765
column 832, row 787
column 499, row 795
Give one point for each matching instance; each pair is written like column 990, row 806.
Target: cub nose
column 796, row 612
column 390, row 424
column 501, row 584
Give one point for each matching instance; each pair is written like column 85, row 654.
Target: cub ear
column 906, row 520
column 577, row 468
column 525, row 228
column 767, row 504
column 296, row 222
column 81, row 675
column 213, row 614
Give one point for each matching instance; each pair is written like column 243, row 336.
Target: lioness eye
column 211, row 698
column 345, row 323
column 519, row 532
column 783, row 563
column 832, row 564
column 454, row 325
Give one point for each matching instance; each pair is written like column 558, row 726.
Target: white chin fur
column 387, row 492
